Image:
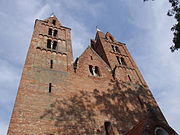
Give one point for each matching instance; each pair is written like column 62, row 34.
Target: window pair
column 115, row 49
column 94, row 70
column 51, row 44
column 52, row 32
column 121, row 61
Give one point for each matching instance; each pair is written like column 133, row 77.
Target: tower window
column 115, row 49
column 51, row 65
column 91, row 58
column 107, row 126
column 50, row 87
column 54, row 46
column 49, row 43
column 55, row 33
column 129, row 78
column 54, row 22
column 50, row 32
column 121, row 60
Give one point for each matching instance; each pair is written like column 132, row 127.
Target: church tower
column 48, row 62
column 101, row 93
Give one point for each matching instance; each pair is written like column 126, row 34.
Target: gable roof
column 99, row 57
column 148, row 125
column 137, row 129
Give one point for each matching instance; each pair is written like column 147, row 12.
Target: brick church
column 102, row 92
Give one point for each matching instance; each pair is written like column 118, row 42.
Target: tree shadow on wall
column 73, row 115
column 77, row 115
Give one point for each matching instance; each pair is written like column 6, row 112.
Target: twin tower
column 100, row 93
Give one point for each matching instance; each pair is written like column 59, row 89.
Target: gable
column 90, row 58
column 53, row 21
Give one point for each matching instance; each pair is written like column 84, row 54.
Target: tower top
column 52, row 14
column 53, row 20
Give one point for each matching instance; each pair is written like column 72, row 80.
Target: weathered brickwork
column 101, row 93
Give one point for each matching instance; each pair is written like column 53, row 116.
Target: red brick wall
column 79, row 103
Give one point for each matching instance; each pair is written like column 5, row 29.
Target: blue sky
column 144, row 27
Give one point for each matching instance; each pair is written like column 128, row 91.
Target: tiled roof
column 138, row 129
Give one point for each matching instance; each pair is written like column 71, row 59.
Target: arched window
column 49, row 43
column 117, row 49
column 55, row 33
column 94, row 70
column 123, row 61
column 90, row 69
column 54, row 46
column 119, row 60
column 50, row 32
column 113, row 48
column 97, row 71
column 161, row 131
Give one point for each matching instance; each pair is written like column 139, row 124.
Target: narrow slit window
column 49, row 43
column 129, row 78
column 51, row 65
column 91, row 58
column 54, row 22
column 55, row 33
column 107, row 126
column 50, row 87
column 50, row 32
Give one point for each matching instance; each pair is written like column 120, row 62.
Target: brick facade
column 101, row 93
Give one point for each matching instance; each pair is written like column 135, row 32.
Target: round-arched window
column 160, row 131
